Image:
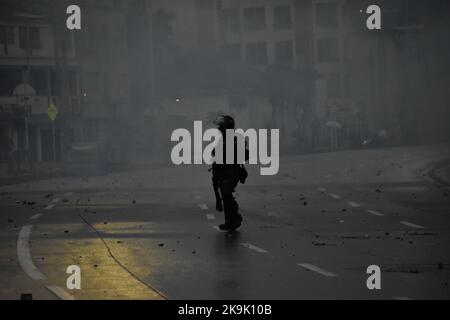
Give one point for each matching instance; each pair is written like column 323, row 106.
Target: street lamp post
column 24, row 93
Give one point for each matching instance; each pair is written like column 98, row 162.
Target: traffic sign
column 52, row 111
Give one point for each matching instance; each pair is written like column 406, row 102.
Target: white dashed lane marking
column 210, row 216
column 56, row 200
column 203, row 206
column 36, row 216
column 353, row 204
column 253, row 247
column 335, row 196
column 272, row 214
column 412, row 225
column 49, row 207
column 376, row 213
column 24, row 255
column 68, row 194
column 322, row 190
column 217, row 228
column 314, row 268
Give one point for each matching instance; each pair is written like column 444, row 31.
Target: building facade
column 84, row 73
column 29, row 82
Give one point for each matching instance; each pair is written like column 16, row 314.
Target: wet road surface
column 309, row 233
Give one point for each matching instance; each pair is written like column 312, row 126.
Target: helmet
column 224, row 122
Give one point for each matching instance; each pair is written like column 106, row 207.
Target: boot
column 236, row 223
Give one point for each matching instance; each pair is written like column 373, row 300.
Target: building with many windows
column 29, row 81
column 83, row 72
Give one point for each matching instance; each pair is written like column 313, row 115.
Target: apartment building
column 104, row 72
column 29, row 82
column 83, row 72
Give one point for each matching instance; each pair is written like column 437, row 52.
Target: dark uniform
column 226, row 178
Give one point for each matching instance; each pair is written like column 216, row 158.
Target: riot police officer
column 226, row 178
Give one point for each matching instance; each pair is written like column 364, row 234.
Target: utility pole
column 149, row 20
column 49, row 102
column 60, row 56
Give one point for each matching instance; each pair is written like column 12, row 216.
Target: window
column 231, row 51
column 38, row 80
column 29, row 38
column 23, row 37
column 68, row 43
column 256, row 53
column 92, row 84
column 282, row 17
column 6, row 35
column 9, row 79
column 283, row 52
column 255, row 19
column 229, row 20
column 35, row 38
column 55, row 82
column 73, row 87
column 333, row 86
column 328, row 50
column 92, row 130
column 327, row 15
column 93, row 32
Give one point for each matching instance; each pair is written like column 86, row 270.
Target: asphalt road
column 309, row 232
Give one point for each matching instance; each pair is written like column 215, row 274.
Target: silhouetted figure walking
column 226, row 177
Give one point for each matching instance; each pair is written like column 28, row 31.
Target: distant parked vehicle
column 86, row 159
column 379, row 138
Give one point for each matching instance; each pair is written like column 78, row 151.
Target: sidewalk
column 43, row 171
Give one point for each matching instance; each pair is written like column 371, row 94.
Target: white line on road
column 210, row 216
column 203, row 206
column 68, row 194
column 253, row 247
column 217, row 228
column 412, row 225
column 353, row 204
column 322, row 190
column 376, row 213
column 272, row 214
column 60, row 293
column 56, row 200
column 335, row 196
column 24, row 256
column 401, row 298
column 49, row 207
column 314, row 268
column 36, row 216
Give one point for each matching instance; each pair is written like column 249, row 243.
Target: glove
column 219, row 206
